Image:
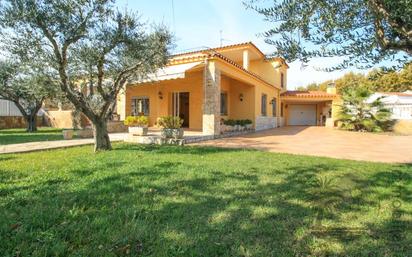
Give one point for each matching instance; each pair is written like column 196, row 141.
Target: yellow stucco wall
column 241, row 109
column 269, row 71
column 161, row 107
column 271, row 93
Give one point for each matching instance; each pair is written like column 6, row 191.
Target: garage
column 302, row 115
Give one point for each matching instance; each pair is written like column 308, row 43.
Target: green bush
column 170, row 122
column 231, row 122
column 359, row 115
column 136, row 121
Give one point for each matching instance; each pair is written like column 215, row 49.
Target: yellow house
column 204, row 87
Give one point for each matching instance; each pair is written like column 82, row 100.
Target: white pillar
column 246, row 59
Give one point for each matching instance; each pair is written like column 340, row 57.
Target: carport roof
column 307, row 94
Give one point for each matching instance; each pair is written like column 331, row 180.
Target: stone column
column 211, row 99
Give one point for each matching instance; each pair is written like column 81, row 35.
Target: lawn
column 193, row 201
column 17, row 136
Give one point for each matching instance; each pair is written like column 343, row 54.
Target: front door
column 180, row 106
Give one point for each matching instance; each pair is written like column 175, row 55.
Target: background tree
column 89, row 44
column 377, row 80
column 27, row 88
column 364, row 32
column 392, row 81
column 359, row 114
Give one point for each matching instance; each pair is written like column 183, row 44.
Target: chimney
column 331, row 89
column 246, row 59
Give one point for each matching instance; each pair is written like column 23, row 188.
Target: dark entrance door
column 180, row 106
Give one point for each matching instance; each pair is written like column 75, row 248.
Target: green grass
column 193, row 201
column 17, row 136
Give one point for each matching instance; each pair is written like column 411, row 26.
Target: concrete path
column 321, row 141
column 47, row 145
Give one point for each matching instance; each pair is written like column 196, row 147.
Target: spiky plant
column 359, row 114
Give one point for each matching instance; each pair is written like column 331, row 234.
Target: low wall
column 8, row 122
column 59, row 119
column 264, row 122
column 116, row 127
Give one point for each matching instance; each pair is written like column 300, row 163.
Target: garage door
column 302, row 114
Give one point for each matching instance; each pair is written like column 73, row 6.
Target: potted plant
column 138, row 125
column 248, row 124
column 228, row 125
column 171, row 126
column 238, row 125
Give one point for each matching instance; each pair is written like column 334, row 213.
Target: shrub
column 237, row 122
column 229, row 122
column 360, row 115
column 170, row 122
column 136, row 121
column 248, row 122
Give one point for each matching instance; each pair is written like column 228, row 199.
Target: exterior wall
column 238, row 109
column 269, row 71
column 8, row 108
column 59, row 119
column 162, row 107
column 8, row 122
column 268, row 121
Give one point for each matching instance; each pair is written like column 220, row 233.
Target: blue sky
column 197, row 23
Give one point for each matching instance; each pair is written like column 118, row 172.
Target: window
column 281, row 109
column 282, row 80
column 264, row 104
column 223, row 103
column 140, row 106
column 274, row 103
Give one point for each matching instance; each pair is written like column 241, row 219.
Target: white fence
column 8, row 108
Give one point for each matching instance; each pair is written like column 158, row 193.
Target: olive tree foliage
column 94, row 48
column 27, row 87
column 362, row 32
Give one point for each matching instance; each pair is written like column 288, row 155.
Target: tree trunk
column 31, row 123
column 101, row 136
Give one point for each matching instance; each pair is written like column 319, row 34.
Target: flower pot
column 172, row 133
column 85, row 133
column 138, row 131
column 249, row 126
column 237, row 127
column 68, row 134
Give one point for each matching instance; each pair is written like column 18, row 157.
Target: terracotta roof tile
column 307, row 94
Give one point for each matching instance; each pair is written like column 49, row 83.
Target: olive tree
column 362, row 32
column 27, row 87
column 89, row 44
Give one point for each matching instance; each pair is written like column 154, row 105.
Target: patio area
column 326, row 142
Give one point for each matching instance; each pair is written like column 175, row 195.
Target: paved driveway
column 321, row 141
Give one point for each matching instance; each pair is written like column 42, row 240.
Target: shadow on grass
column 167, row 209
column 170, row 149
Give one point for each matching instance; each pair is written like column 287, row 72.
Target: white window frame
column 138, row 106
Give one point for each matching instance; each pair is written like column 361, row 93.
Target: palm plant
column 359, row 114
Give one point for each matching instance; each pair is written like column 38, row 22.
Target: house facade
column 232, row 82
column 399, row 103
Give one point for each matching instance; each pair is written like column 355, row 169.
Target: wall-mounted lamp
column 241, row 97
column 272, row 101
column 160, row 94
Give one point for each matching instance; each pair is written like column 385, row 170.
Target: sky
column 202, row 23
